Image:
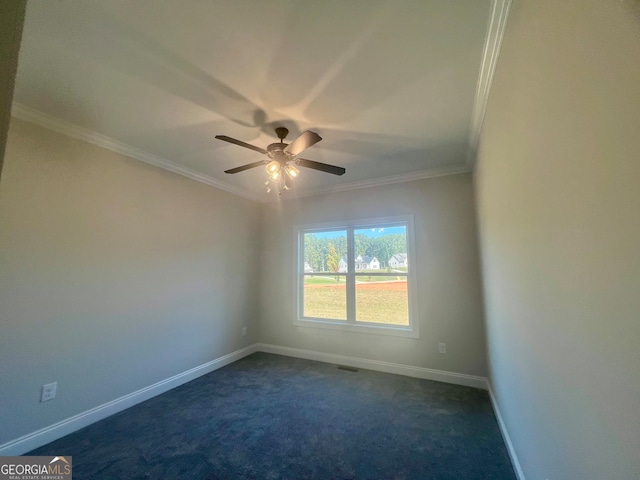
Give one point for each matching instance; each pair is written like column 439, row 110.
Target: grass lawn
column 322, row 280
column 375, row 302
column 382, row 278
column 308, row 280
column 326, row 301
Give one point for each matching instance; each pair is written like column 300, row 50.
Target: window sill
column 376, row 329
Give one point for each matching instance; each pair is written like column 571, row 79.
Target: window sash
column 351, row 277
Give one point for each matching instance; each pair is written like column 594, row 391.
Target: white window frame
column 350, row 325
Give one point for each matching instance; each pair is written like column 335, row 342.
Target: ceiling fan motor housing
column 276, row 151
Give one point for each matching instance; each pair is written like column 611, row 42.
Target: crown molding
column 377, row 182
column 493, row 41
column 31, row 115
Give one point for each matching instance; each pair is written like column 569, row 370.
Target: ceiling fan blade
column 323, row 167
column 242, row 144
column 304, row 141
column 246, row 167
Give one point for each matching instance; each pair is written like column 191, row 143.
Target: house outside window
column 357, row 276
column 398, row 260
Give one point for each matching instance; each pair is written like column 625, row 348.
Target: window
column 357, row 276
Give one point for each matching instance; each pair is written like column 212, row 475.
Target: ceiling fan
column 282, row 158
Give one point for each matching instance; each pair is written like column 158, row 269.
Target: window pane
column 380, row 249
column 325, row 252
column 384, row 301
column 325, row 297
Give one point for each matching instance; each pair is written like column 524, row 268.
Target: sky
column 373, row 233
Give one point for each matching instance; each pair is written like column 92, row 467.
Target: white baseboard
column 48, row 434
column 505, row 435
column 387, row 367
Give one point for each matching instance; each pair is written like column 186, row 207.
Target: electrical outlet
column 49, row 392
column 244, row 331
column 442, row 347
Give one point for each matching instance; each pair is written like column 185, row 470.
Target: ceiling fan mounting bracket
column 282, row 133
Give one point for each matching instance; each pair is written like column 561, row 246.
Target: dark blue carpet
column 273, row 417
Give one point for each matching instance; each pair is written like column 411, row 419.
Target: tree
column 311, row 253
column 333, row 260
column 363, row 244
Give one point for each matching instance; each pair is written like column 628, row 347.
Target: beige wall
column 558, row 191
column 450, row 308
column 11, row 20
column 114, row 275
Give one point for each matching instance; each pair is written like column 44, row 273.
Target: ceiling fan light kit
column 291, row 171
column 281, row 156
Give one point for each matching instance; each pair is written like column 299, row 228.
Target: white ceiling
column 389, row 85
